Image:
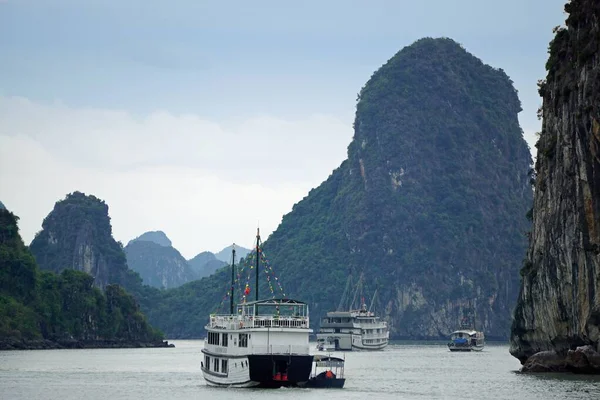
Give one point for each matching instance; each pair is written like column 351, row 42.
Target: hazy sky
column 203, row 119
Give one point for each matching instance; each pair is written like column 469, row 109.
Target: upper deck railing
column 247, row 322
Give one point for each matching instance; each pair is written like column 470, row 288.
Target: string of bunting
column 244, row 292
column 268, row 269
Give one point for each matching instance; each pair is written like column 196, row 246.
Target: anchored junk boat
column 467, row 338
column 358, row 329
column 264, row 343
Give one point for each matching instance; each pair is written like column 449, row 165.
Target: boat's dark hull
column 274, row 370
column 334, row 383
column 465, row 348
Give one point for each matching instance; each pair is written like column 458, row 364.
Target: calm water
column 402, row 371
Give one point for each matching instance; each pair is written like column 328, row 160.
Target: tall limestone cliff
column 559, row 304
column 160, row 266
column 430, row 205
column 77, row 234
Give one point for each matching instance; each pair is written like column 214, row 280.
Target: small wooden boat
column 328, row 372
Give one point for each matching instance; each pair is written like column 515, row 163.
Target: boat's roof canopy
column 273, row 302
column 468, row 332
column 324, row 358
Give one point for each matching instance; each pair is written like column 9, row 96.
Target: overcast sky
column 204, row 119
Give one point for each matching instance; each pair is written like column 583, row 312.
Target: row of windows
column 373, row 331
column 374, row 341
column 221, row 339
column 213, row 338
column 219, row 364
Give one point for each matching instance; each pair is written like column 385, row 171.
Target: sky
column 206, row 119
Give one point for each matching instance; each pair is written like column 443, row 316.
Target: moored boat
column 264, row 343
column 467, row 338
column 328, row 372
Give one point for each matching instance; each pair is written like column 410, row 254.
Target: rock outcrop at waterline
column 558, row 309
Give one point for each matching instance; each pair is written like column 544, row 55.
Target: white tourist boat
column 263, row 343
column 358, row 329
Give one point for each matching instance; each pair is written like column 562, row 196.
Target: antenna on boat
column 232, row 278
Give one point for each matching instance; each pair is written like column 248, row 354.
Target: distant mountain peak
column 225, row 254
column 158, row 237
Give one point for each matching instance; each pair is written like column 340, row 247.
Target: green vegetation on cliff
column 431, row 204
column 62, row 308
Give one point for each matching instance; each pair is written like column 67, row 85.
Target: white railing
column 370, row 324
column 246, row 322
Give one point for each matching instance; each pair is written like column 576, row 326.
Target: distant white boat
column 354, row 329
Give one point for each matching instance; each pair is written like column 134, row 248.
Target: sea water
column 407, row 370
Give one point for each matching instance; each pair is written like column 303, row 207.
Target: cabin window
column 213, row 338
column 224, row 366
column 216, row 365
column 224, row 341
column 243, row 339
column 207, row 362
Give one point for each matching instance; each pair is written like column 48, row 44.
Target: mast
column 257, row 258
column 474, row 313
column 373, row 299
column 232, row 279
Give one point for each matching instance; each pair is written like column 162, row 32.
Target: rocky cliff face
column 559, row 303
column 77, row 235
column 159, row 266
